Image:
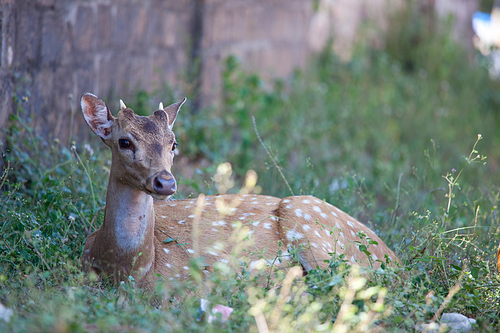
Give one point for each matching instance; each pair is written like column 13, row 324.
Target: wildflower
column 453, row 170
column 89, row 149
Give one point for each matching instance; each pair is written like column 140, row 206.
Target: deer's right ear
column 97, row 115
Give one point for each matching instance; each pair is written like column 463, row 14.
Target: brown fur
column 142, row 238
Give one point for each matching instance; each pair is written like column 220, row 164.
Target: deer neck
column 128, row 229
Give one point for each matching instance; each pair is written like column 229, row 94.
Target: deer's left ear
column 97, row 115
column 172, row 111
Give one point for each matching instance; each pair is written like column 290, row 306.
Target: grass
column 390, row 137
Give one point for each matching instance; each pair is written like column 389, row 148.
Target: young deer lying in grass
column 144, row 234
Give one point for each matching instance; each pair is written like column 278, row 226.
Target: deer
column 146, row 234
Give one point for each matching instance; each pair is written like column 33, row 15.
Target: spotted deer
column 146, row 233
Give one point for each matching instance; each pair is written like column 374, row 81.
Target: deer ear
column 97, row 115
column 172, row 111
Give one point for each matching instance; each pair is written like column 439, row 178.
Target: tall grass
column 391, row 137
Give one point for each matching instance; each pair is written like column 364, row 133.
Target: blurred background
column 388, row 109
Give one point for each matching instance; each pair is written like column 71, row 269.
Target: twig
column 271, row 156
column 95, row 216
column 5, row 174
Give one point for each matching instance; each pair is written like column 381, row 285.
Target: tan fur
column 142, row 238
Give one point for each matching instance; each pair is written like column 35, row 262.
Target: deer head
column 142, row 147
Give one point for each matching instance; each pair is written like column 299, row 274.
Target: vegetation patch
column 391, row 137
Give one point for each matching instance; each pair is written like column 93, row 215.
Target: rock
column 456, row 322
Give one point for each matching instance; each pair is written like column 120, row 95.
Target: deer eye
column 124, row 143
column 174, row 146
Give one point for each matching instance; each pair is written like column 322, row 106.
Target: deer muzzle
column 164, row 184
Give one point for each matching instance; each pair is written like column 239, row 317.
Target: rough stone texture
column 52, row 49
column 270, row 36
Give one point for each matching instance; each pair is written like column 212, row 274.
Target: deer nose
column 164, row 183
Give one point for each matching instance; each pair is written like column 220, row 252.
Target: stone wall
column 53, row 48
column 50, row 49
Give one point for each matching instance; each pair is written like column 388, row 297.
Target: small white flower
column 89, row 149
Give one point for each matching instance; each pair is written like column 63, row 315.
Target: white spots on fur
column 293, row 235
column 298, row 212
column 252, row 214
column 168, row 265
column 256, row 223
column 190, row 251
column 269, row 203
column 334, row 214
column 191, row 216
column 166, row 250
column 216, row 223
column 350, row 224
column 314, row 245
column 306, row 201
column 352, row 259
column 286, row 201
column 267, row 225
column 317, row 201
column 218, row 246
column 241, row 199
column 255, row 202
column 317, row 233
column 288, row 206
column 213, row 253
column 374, row 256
column 242, row 218
column 207, row 203
column 306, row 227
column 274, row 218
column 353, row 234
column 327, row 232
column 317, row 209
column 233, row 225
column 173, row 205
column 323, row 215
column 181, row 221
column 163, row 217
column 188, row 206
column 185, row 268
column 225, row 261
column 213, row 229
column 245, row 214
column 307, row 217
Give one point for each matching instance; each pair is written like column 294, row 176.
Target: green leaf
column 474, row 271
column 168, row 240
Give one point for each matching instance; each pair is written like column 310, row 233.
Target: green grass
column 390, row 137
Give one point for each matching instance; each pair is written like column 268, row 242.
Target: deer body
column 142, row 237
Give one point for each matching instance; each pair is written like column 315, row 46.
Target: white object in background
column 5, row 313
